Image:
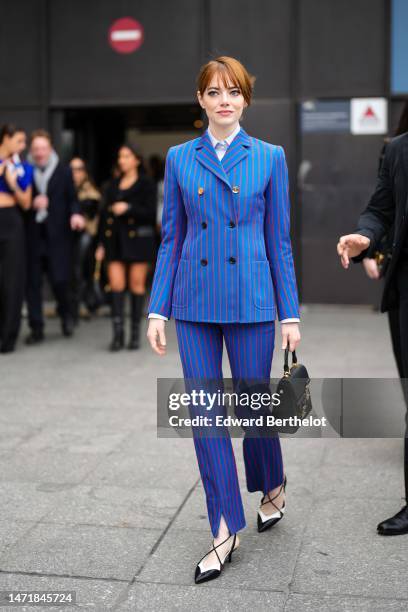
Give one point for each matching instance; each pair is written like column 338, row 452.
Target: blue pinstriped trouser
column 250, row 349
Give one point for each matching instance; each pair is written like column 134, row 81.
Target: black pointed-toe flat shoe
column 396, row 525
column 266, row 521
column 213, row 572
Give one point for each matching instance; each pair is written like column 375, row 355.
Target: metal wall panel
column 258, row 34
column 271, row 120
column 342, row 176
column 85, row 70
column 342, row 48
column 21, row 26
column 28, row 120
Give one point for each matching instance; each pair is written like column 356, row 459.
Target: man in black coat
column 388, row 207
column 50, row 224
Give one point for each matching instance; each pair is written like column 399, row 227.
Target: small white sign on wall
column 369, row 115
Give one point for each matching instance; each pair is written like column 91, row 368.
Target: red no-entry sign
column 125, row 35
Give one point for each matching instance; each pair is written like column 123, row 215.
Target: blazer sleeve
column 378, row 217
column 173, row 232
column 277, row 238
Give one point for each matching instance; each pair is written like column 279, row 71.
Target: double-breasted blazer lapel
column 225, row 254
column 206, row 155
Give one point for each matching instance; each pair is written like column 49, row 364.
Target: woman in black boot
column 126, row 238
column 136, row 311
column 118, row 339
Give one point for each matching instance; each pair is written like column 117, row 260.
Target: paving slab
column 47, row 466
column 306, row 603
column 91, row 594
column 115, row 506
column 84, row 439
column 29, row 501
column 159, row 597
column 11, row 531
column 142, row 470
column 374, row 452
column 80, row 551
column 341, row 552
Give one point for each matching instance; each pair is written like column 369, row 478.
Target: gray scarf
column 43, row 175
column 41, row 179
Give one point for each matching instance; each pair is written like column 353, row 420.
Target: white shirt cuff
column 154, row 315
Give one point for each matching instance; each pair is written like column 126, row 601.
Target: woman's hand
column 156, row 335
column 351, row 246
column 77, row 222
column 291, row 334
column 119, row 208
column 100, row 253
column 371, row 268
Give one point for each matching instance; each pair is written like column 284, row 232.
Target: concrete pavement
column 91, row 500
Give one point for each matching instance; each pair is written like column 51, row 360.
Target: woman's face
column 127, row 160
column 223, row 105
column 78, row 170
column 16, row 143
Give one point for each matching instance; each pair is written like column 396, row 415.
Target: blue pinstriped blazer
column 225, row 254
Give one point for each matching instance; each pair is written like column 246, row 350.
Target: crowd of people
column 55, row 221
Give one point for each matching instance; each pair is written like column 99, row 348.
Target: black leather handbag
column 294, row 393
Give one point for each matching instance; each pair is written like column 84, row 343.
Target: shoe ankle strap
column 218, row 545
column 269, row 500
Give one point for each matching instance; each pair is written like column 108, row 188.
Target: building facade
column 66, row 65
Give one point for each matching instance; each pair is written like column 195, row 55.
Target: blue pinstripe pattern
column 250, row 349
column 261, row 283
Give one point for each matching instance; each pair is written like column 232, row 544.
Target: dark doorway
column 96, row 133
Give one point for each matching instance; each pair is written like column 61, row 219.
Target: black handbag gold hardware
column 294, row 394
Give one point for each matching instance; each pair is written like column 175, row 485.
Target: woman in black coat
column 126, row 239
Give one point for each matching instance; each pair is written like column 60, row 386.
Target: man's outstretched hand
column 351, row 245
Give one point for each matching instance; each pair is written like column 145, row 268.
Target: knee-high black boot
column 118, row 339
column 136, row 309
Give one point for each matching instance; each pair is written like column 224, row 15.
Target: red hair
column 230, row 70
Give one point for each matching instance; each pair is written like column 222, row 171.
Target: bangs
column 225, row 74
column 230, row 72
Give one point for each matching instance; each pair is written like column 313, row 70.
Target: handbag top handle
column 286, row 362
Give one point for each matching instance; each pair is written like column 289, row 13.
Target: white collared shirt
column 220, row 147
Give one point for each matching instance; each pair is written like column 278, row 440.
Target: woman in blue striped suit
column 225, row 271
